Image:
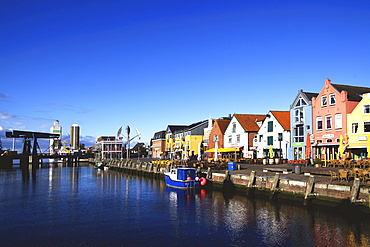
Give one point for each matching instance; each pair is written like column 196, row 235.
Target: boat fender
column 202, row 181
column 196, row 178
column 188, row 178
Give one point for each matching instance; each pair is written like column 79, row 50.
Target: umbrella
column 308, row 146
column 341, row 146
column 216, row 152
column 199, row 152
column 210, row 150
column 271, row 151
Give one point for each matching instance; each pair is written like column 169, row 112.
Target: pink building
column 329, row 116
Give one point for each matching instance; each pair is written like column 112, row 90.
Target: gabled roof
column 174, row 128
column 249, row 121
column 222, row 124
column 283, row 117
column 310, row 95
column 354, row 92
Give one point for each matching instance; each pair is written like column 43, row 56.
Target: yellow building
column 358, row 129
column 184, row 142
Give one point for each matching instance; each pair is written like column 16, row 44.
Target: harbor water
column 59, row 205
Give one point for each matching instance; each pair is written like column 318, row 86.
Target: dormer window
column 300, row 102
column 332, row 99
column 324, row 101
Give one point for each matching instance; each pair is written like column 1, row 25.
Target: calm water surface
column 82, row 206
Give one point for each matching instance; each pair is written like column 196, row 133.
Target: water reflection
column 100, row 208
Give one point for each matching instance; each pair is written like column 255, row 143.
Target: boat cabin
column 184, row 173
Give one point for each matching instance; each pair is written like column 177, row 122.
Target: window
column 366, row 126
column 324, row 101
column 319, row 123
column 366, row 109
column 270, row 140
column 230, row 139
column 238, row 138
column 234, row 128
column 298, row 135
column 338, row 121
column 354, row 128
column 270, row 126
column 328, row 121
column 332, row 99
column 261, row 137
column 300, row 102
column 215, row 138
column 298, row 115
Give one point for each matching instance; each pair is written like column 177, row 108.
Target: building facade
column 56, row 144
column 158, row 146
column 107, row 147
column 240, row 133
column 301, row 126
column 330, row 109
column 217, row 135
column 75, row 137
column 273, row 137
column 357, row 141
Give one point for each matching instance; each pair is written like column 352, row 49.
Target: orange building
column 217, row 133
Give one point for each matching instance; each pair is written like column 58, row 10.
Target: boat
column 183, row 178
column 99, row 165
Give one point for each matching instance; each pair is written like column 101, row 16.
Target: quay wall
column 316, row 192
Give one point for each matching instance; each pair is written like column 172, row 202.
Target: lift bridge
column 29, row 149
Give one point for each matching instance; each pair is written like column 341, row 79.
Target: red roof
column 222, row 124
column 283, row 117
column 249, row 121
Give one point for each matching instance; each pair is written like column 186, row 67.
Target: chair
column 343, row 175
column 334, row 176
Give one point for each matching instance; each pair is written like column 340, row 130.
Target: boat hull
column 186, row 184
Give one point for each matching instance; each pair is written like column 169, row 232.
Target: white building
column 273, row 138
column 56, row 144
column 240, row 132
column 107, row 147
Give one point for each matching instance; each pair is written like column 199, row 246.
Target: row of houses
column 331, row 124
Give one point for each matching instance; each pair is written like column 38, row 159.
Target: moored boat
column 99, row 165
column 183, row 178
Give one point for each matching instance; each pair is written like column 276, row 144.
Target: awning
column 230, row 149
column 212, row 150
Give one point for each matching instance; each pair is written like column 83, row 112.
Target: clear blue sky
column 148, row 64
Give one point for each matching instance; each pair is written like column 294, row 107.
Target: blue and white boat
column 183, row 178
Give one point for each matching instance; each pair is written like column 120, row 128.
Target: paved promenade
column 321, row 174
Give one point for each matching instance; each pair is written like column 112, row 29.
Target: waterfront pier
column 311, row 186
column 30, row 154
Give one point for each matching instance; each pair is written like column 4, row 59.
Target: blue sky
column 148, row 64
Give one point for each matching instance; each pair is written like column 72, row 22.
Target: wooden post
column 355, row 189
column 209, row 173
column 252, row 179
column 275, row 182
column 309, row 189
